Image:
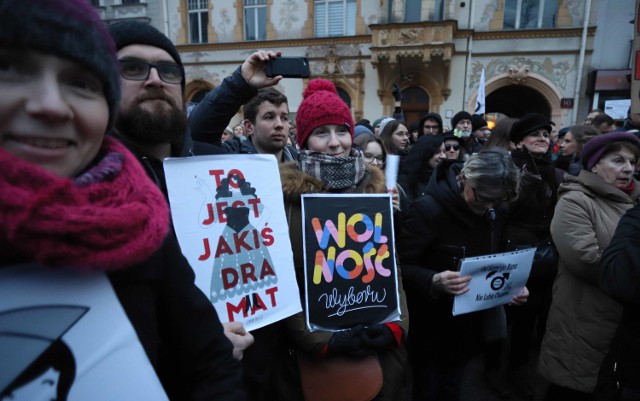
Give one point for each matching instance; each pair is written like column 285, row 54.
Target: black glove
column 377, row 337
column 397, row 95
column 348, row 342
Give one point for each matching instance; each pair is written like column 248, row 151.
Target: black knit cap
column 462, row 115
column 69, row 29
column 477, row 122
column 527, row 124
column 132, row 32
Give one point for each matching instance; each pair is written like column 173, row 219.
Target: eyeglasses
column 138, row 70
column 431, row 127
column 454, row 147
column 492, row 201
column 370, row 158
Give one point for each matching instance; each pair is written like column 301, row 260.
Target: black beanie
column 462, row 115
column 132, row 32
column 69, row 29
column 527, row 124
column 477, row 122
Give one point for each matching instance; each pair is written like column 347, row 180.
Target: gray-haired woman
column 460, row 215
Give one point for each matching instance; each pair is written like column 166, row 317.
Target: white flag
column 480, row 102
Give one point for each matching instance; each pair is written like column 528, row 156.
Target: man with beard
column 152, row 122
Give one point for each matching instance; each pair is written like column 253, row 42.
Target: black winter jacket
column 620, row 278
column 178, row 328
column 437, row 231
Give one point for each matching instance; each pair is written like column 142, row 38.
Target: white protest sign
column 495, row 280
column 228, row 213
column 69, row 330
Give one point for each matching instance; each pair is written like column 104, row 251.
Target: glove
column 348, row 342
column 397, row 95
column 377, row 337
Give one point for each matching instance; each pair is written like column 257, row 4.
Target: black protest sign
column 350, row 268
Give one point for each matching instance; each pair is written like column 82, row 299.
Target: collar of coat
column 296, row 183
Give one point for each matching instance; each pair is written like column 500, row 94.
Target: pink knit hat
column 321, row 105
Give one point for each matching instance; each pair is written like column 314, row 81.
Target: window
column 529, row 14
column 95, row 3
column 130, row 1
column 412, row 11
column 335, row 17
column 344, row 96
column 198, row 20
column 255, row 19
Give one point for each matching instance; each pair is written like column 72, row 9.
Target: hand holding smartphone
column 288, row 67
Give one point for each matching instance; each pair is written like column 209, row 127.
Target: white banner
column 495, row 280
column 228, row 213
column 65, row 336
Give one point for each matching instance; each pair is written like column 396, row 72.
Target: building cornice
column 276, row 44
column 533, row 34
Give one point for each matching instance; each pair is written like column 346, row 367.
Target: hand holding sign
column 451, row 282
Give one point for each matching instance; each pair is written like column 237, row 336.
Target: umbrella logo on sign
column 498, row 280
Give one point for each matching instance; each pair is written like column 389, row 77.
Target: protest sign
column 228, row 213
column 495, row 280
column 349, row 260
column 65, row 336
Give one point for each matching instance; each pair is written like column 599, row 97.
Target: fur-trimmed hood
column 296, row 183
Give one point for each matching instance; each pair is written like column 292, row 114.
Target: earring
column 594, row 170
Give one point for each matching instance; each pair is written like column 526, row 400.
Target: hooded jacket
column 582, row 319
column 430, row 116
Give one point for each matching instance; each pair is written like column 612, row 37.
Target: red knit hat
column 321, row 105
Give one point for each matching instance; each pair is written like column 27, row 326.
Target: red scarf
column 117, row 219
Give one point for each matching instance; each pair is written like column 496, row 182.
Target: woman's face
column 53, row 112
column 616, row 168
column 569, row 146
column 452, row 149
column 330, row 139
column 373, row 154
column 481, row 199
column 537, row 142
column 400, row 137
column 43, row 387
column 438, row 157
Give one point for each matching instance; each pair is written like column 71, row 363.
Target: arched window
column 344, row 96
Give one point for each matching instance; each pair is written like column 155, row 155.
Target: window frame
column 256, row 19
column 348, row 27
column 540, row 17
column 202, row 8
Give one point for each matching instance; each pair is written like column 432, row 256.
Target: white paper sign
column 617, row 109
column 65, row 336
column 495, row 280
column 228, row 213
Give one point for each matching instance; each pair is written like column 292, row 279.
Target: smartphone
column 288, row 67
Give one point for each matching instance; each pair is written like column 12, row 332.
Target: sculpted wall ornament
column 407, row 36
column 519, row 68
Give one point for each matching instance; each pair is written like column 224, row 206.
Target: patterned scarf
column 108, row 218
column 336, row 173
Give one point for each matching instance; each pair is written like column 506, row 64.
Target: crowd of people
column 88, row 112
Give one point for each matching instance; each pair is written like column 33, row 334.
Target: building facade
column 557, row 57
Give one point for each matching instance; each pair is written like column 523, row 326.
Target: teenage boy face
column 270, row 130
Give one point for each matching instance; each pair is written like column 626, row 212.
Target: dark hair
column 500, row 134
column 365, row 139
column 602, row 118
column 387, row 133
column 415, row 166
column 264, row 95
column 582, row 134
column 57, row 356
